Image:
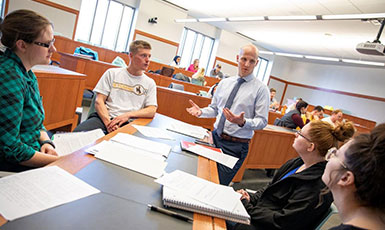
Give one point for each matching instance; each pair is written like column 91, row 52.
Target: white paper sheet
column 36, row 190
column 67, row 143
column 141, row 143
column 153, row 132
column 220, row 196
column 135, row 159
column 221, row 158
column 188, row 130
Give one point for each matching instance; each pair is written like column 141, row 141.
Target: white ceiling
column 318, row 38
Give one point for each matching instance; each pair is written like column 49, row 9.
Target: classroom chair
column 332, row 210
column 176, row 86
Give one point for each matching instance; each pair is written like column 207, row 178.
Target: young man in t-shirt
column 124, row 93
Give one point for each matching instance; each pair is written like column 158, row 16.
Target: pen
column 170, row 213
column 203, row 143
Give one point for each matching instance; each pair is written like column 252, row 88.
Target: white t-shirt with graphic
column 126, row 92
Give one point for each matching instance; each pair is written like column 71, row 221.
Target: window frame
column 115, row 43
column 183, row 40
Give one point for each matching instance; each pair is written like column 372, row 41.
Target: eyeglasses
column 332, row 153
column 300, row 134
column 46, row 45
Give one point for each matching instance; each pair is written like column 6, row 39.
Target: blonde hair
column 199, row 75
column 139, row 44
column 336, row 111
column 325, row 136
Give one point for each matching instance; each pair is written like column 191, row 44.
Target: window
column 2, row 2
column 195, row 45
column 261, row 68
column 105, row 23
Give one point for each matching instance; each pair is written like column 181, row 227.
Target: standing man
column 240, row 105
column 124, row 93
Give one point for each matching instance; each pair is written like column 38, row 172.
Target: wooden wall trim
column 225, row 61
column 155, row 37
column 64, row 8
column 330, row 90
column 6, row 7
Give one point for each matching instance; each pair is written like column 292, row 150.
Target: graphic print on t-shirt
column 136, row 89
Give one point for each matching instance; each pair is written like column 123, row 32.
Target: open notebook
column 173, row 198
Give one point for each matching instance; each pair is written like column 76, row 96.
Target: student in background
column 124, row 93
column 293, row 105
column 316, row 114
column 198, row 78
column 355, row 174
column 216, row 72
column 293, row 118
column 194, row 66
column 274, row 105
column 24, row 142
column 175, row 62
column 292, row 199
column 240, row 105
column 335, row 117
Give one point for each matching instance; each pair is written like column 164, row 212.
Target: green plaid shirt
column 21, row 111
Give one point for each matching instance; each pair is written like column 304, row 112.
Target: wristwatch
column 47, row 142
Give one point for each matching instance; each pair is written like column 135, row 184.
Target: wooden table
column 78, row 160
column 62, row 93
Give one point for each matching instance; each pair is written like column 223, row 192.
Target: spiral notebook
column 175, row 199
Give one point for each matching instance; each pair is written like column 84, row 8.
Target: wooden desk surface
column 206, row 169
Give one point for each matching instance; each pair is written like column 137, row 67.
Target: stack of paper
column 36, row 190
column 188, row 130
column 135, row 153
column 153, row 132
column 186, row 191
column 67, row 143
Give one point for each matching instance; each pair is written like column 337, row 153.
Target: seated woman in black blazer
column 293, row 199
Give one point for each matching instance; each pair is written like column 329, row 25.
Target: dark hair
column 23, row 25
column 139, row 44
column 301, row 104
column 273, row 90
column 319, row 108
column 365, row 157
column 325, row 136
column 176, row 58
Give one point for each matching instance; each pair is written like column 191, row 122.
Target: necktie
column 229, row 102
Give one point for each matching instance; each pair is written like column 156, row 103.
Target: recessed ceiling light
column 186, row 20
column 353, row 16
column 244, row 19
column 211, row 19
column 322, row 58
column 363, row 62
column 289, row 18
column 290, row 55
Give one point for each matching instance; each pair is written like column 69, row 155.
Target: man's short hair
column 219, row 66
column 272, row 90
column 139, row 44
column 319, row 108
column 336, row 111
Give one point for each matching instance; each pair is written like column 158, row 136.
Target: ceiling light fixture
column 322, row 58
column 363, row 62
column 353, row 16
column 292, row 18
column 186, row 20
column 289, row 55
column 266, row 52
column 245, row 19
column 212, row 19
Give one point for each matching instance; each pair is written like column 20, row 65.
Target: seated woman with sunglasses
column 24, row 143
column 355, row 174
column 292, row 199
